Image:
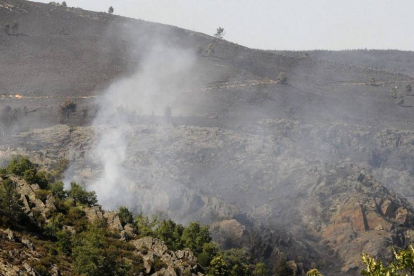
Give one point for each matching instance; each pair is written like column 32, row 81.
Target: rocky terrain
column 21, row 252
column 317, row 171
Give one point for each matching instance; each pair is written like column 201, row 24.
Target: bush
column 194, row 237
column 7, row 28
column 210, row 49
column 408, row 89
column 15, row 27
column 282, row 79
column 400, row 100
column 19, row 165
column 125, row 215
column 81, row 196
column 57, row 190
column 393, row 92
column 67, row 108
column 170, row 233
column 111, row 10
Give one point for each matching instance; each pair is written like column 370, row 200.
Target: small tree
column 313, row 272
column 400, row 100
column 167, row 113
column 67, row 108
column 7, row 28
column 408, row 89
column 282, row 79
column 15, row 27
column 111, row 10
column 220, row 33
column 373, row 81
column 195, row 236
column 210, row 49
column 64, row 4
column 393, row 92
column 10, row 203
column 125, row 216
column 81, row 196
column 261, row 270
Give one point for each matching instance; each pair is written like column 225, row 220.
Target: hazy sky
column 281, row 24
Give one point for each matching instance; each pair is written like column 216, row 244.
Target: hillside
column 386, row 60
column 307, row 173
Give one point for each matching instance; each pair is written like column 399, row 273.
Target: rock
column 10, row 234
column 129, row 230
column 401, row 216
column 29, row 269
column 55, row 271
column 114, row 223
column 145, row 242
column 94, row 213
column 28, row 243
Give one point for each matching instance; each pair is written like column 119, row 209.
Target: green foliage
column 11, row 210
column 282, row 79
column 375, row 267
column 313, row 272
column 64, row 4
column 19, row 165
column 57, row 190
column 54, row 225
column 64, row 241
column 125, row 215
column 210, row 251
column 42, row 195
column 23, row 167
column 111, row 10
column 195, row 236
column 404, row 261
column 261, row 270
column 171, row 233
column 89, row 254
column 218, row 267
column 144, row 226
column 81, row 196
column 76, row 218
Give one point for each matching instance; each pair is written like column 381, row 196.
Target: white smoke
column 158, row 82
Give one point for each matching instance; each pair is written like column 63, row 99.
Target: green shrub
column 125, row 215
column 282, row 79
column 11, row 207
column 81, row 196
column 57, row 190
column 194, row 237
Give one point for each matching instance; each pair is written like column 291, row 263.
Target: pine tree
column 10, row 203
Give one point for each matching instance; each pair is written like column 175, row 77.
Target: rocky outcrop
column 181, row 262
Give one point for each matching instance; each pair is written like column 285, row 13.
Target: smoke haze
column 156, row 84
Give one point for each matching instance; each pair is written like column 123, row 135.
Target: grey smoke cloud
column 157, row 83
